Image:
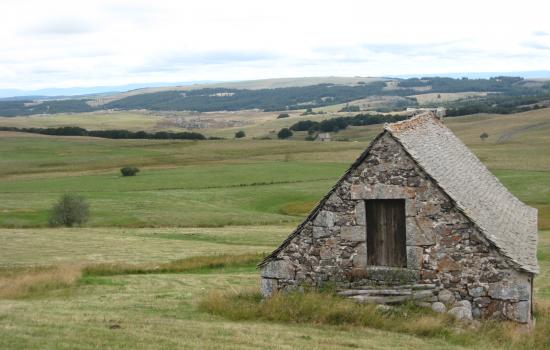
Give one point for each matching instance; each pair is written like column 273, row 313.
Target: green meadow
column 139, row 274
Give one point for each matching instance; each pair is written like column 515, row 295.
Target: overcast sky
column 95, row 43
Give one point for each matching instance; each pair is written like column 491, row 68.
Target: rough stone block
column 482, row 301
column 393, row 275
column 410, row 207
column 358, row 191
column 360, row 261
column 510, row 290
column 320, row 232
column 446, row 297
column 428, row 208
column 476, row 291
column 328, row 252
column 353, row 233
column 518, row 312
column 414, row 257
column 439, row 307
column 461, row 313
column 464, row 303
column 324, row 218
column 420, row 231
column 476, row 313
column 380, row 191
column 447, row 264
column 279, row 269
column 334, row 199
column 360, row 213
column 360, row 258
column 414, row 181
column 268, row 286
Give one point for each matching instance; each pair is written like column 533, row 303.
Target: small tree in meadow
column 70, row 210
column 239, row 134
column 129, row 171
column 285, row 133
column 483, row 136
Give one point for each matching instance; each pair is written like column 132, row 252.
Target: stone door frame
column 363, row 192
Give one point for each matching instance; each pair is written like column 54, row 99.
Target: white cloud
column 74, row 43
column 59, row 26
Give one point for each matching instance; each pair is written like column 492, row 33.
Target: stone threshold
column 392, row 295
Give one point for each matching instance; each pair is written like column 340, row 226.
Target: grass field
column 443, row 97
column 244, row 182
column 161, row 311
column 198, row 200
column 103, row 120
column 256, row 124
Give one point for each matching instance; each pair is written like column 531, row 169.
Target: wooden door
column 386, row 232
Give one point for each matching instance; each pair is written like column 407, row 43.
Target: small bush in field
column 483, row 136
column 129, row 171
column 70, row 210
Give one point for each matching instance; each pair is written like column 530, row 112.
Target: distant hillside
column 249, row 95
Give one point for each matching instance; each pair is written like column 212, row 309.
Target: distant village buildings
column 325, row 137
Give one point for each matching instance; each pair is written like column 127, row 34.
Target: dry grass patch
column 25, row 282
column 298, row 208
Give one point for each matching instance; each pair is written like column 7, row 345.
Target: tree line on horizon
column 278, row 99
column 111, row 134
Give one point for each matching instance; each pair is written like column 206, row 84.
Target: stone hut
column 324, row 137
column 416, row 217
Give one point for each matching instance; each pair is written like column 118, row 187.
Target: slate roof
column 504, row 220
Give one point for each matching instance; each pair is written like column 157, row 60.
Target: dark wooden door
column 386, row 232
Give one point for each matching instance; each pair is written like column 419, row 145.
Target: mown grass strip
column 196, row 264
column 23, row 282
column 327, row 309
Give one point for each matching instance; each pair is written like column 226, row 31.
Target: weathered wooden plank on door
column 386, row 232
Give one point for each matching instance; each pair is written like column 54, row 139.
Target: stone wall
column 443, row 247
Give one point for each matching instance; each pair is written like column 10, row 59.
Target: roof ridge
column 413, row 122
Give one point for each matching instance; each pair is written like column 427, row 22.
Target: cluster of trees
column 349, row 108
column 310, row 111
column 284, row 133
column 110, row 134
column 27, row 107
column 498, row 104
column 340, row 123
column 509, row 85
